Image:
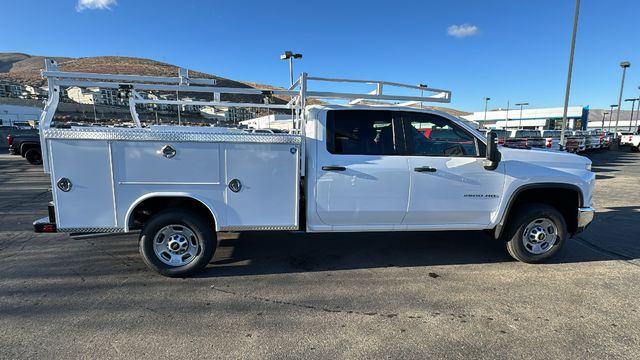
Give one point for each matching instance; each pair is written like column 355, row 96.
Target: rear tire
column 635, row 148
column 177, row 242
column 536, row 233
column 33, row 156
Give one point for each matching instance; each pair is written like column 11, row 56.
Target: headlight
column 588, row 167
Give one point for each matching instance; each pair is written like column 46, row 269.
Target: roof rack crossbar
column 126, row 78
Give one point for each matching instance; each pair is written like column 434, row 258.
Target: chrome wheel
column 540, row 235
column 176, row 245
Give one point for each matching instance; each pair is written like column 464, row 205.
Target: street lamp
column 486, row 102
column 633, row 103
column 288, row 55
column 422, row 87
column 624, row 65
column 604, row 114
column 611, row 117
column 521, row 106
column 506, row 117
column 568, row 88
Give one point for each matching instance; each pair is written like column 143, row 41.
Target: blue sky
column 514, row 50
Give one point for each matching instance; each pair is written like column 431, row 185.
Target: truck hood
column 547, row 158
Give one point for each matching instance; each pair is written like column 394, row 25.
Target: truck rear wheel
column 33, row 156
column 536, row 233
column 177, row 242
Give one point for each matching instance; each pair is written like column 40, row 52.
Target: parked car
column 552, row 138
column 356, row 168
column 27, row 145
column 625, row 138
column 525, row 138
column 590, row 140
column 634, row 143
column 574, row 143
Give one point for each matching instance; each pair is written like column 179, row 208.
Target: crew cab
column 351, row 168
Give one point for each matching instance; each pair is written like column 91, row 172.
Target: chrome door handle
column 425, row 169
column 334, row 168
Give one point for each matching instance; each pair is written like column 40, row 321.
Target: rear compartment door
column 89, row 202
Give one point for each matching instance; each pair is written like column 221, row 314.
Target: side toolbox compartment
column 82, row 185
column 263, row 185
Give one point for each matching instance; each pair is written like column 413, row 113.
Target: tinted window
column 432, row 135
column 364, row 132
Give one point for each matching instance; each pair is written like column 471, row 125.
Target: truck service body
column 349, row 168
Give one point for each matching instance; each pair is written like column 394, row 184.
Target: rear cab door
column 361, row 175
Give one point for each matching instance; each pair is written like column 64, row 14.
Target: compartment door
column 268, row 177
column 89, row 203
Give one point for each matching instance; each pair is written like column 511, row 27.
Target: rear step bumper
column 46, row 224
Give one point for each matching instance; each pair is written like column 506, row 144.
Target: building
column 273, row 121
column 11, row 114
column 10, row 89
column 92, row 95
column 81, row 96
column 213, row 113
column 235, row 115
column 532, row 118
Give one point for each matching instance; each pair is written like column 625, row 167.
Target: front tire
column 536, row 233
column 177, row 242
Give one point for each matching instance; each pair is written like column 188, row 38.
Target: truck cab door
column 450, row 187
column 361, row 179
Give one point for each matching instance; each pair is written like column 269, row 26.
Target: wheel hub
column 176, row 245
column 540, row 236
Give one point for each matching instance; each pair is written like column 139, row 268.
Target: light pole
column 604, row 114
column 611, row 117
column 633, row 103
column 506, row 117
column 486, row 103
column 288, row 55
column 422, row 87
column 568, row 89
column 624, row 65
column 521, row 106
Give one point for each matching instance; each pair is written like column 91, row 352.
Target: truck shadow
column 261, row 253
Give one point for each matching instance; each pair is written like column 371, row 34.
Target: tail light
column 500, row 141
column 9, row 139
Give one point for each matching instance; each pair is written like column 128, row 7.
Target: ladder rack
column 299, row 92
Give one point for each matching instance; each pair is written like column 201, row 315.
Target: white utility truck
column 346, row 168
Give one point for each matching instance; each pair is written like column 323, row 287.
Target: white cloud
column 463, row 30
column 95, row 4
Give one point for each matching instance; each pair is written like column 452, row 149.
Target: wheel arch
column 154, row 201
column 567, row 198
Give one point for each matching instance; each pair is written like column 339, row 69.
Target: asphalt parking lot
column 285, row 295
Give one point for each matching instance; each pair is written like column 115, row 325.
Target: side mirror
column 493, row 155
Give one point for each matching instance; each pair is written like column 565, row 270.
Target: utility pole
column 624, row 65
column 611, row 117
column 506, row 118
column 521, row 106
column 568, row 89
column 604, row 114
column 633, row 103
column 486, row 102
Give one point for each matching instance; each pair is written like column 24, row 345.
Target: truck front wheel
column 177, row 242
column 536, row 233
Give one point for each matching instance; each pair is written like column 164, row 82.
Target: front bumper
column 585, row 217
